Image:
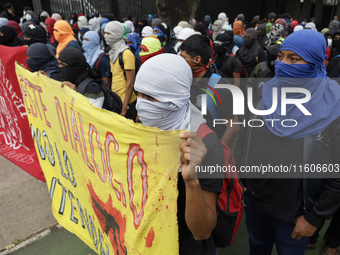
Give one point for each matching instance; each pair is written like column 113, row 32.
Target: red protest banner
column 16, row 143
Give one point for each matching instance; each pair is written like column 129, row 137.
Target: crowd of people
column 172, row 64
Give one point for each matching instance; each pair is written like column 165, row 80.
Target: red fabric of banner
column 16, row 143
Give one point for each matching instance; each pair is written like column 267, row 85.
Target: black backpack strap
column 121, row 62
column 264, row 73
column 263, row 66
column 83, row 85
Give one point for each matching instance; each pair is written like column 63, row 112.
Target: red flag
column 16, row 143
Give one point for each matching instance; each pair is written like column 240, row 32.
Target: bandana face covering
column 197, row 68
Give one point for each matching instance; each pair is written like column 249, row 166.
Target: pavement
column 26, row 214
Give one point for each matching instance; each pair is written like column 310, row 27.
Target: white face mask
column 329, row 42
column 28, row 17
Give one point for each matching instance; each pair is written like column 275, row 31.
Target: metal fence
column 121, row 8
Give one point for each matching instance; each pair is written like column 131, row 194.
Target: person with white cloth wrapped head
column 164, row 102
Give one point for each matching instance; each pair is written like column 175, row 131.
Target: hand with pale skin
column 193, row 151
column 69, row 84
column 302, row 228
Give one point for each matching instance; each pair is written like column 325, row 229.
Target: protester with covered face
column 150, row 47
column 40, row 58
column 96, row 57
column 163, row 102
column 122, row 79
column 65, row 36
column 293, row 207
column 8, row 36
column 250, row 54
column 73, row 70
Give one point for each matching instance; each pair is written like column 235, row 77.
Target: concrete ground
column 25, row 209
column 25, row 205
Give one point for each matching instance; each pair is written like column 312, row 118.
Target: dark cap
column 273, row 49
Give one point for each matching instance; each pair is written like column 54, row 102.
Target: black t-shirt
column 187, row 244
column 224, row 111
column 331, row 66
column 283, row 198
column 230, row 66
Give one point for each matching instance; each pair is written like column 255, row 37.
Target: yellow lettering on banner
column 113, row 182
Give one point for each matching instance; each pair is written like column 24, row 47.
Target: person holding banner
column 73, row 69
column 163, row 102
column 40, row 58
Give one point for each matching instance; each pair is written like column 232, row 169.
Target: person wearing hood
column 160, row 32
column 122, row 80
column 142, row 22
column 147, row 31
column 334, row 24
column 43, row 16
column 40, row 58
column 156, row 22
column 240, row 17
column 298, row 28
column 238, row 28
column 64, row 34
column 233, row 48
column 82, row 22
column 226, row 28
column 271, row 17
column 150, row 47
column 184, row 34
column 201, row 28
column 177, row 29
column 73, row 69
column 230, row 66
column 126, row 29
column 268, row 27
column 49, row 22
column 207, row 19
column 222, row 16
column 311, row 25
column 8, row 36
column 293, row 24
column 264, row 70
column 133, row 41
column 293, row 207
column 56, row 16
column 163, row 102
column 34, row 34
column 261, row 35
column 16, row 26
column 335, row 53
column 250, row 54
column 217, row 28
column 94, row 25
column 8, row 12
column 96, row 57
column 275, row 34
column 183, row 24
column 130, row 25
column 3, row 21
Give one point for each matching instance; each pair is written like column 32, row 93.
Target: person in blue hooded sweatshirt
column 96, row 57
column 286, row 209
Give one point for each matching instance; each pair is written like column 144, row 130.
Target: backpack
column 229, row 205
column 138, row 62
column 112, row 101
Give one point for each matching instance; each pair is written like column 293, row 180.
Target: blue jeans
column 264, row 230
